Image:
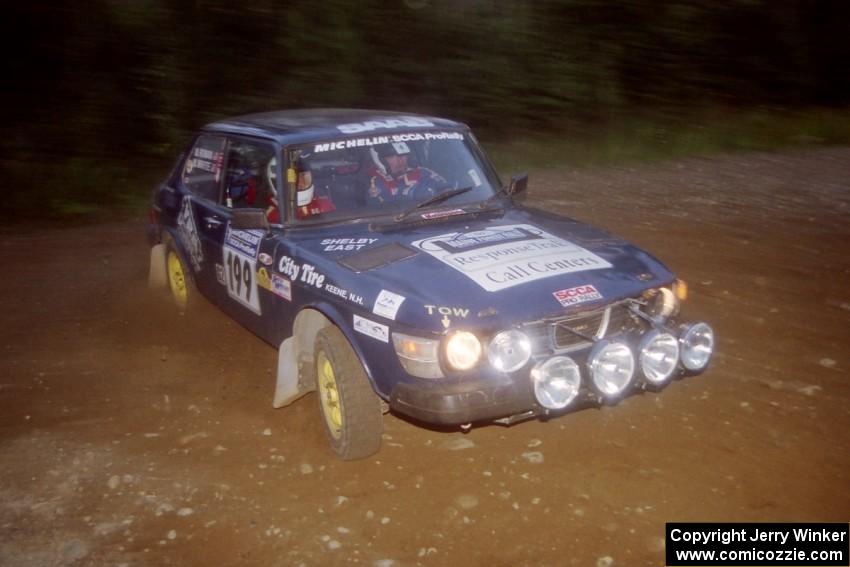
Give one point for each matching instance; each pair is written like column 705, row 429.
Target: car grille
column 555, row 334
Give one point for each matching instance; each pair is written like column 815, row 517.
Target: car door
column 200, row 222
column 246, row 255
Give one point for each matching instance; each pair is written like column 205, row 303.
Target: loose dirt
column 131, row 435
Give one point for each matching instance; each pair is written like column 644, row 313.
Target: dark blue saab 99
column 385, row 259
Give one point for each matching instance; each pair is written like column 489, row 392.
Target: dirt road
column 132, row 436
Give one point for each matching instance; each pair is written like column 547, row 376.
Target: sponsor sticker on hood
column 387, row 304
column 372, row 329
column 579, row 294
column 502, row 257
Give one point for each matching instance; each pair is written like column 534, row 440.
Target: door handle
column 212, row 222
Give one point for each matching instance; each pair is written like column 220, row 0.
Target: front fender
column 297, row 350
column 346, row 325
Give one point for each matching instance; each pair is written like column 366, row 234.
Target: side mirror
column 249, row 218
column 519, row 183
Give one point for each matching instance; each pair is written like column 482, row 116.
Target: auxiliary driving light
column 697, row 343
column 612, row 367
column 556, row 382
column 659, row 355
column 509, row 350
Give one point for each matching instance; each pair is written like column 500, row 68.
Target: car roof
column 310, row 124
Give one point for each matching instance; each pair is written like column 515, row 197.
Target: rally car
column 393, row 270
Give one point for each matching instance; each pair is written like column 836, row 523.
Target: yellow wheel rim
column 329, row 392
column 177, row 279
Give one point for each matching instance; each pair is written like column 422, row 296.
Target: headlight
column 463, row 350
column 612, row 367
column 556, row 382
column 662, row 304
column 417, row 355
column 509, row 350
column 697, row 343
column 659, row 355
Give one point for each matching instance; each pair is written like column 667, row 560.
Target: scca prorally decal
column 579, row 294
column 189, row 234
column 245, row 241
column 357, row 127
column 387, row 139
column 387, row 304
column 372, row 329
column 281, row 287
column 346, row 244
column 304, row 273
column 344, row 293
column 502, row 257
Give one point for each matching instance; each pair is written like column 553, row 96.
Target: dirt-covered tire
column 350, row 409
column 181, row 287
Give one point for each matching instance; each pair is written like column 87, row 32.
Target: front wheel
column 350, row 409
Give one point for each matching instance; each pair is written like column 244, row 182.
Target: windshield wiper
column 432, row 201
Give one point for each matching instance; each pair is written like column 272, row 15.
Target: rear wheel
column 350, row 409
column 179, row 278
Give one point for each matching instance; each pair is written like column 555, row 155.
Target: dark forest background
column 99, row 96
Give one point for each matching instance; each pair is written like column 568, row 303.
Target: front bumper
column 462, row 401
column 491, row 395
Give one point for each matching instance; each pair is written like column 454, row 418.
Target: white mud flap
column 157, row 278
column 288, row 387
column 294, row 352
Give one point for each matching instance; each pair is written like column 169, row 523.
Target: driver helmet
column 381, row 152
column 271, row 173
column 304, row 187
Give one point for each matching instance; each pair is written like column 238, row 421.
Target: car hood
column 473, row 272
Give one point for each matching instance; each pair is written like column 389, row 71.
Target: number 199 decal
column 239, row 276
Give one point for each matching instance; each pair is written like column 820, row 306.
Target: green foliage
column 633, row 139
column 99, row 88
column 77, row 189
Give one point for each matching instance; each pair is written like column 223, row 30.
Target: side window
column 202, row 168
column 251, row 175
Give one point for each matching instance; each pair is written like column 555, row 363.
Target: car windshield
column 375, row 175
